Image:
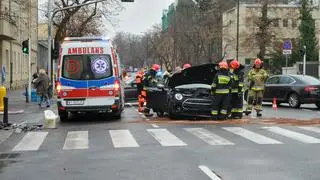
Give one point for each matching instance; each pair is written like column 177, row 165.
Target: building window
column 276, row 22
column 248, row 61
column 285, row 22
column 294, row 23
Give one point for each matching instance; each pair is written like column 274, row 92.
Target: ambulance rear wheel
column 63, row 115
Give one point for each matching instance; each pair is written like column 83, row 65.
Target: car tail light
column 310, row 89
column 116, row 88
column 58, row 87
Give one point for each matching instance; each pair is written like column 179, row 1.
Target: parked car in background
column 187, row 93
column 130, row 89
column 292, row 89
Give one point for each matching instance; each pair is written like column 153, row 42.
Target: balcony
column 8, row 27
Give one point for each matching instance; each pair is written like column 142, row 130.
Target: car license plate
column 75, row 102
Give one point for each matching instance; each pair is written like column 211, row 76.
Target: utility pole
column 30, row 52
column 238, row 17
column 304, row 60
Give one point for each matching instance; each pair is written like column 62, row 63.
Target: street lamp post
column 51, row 14
column 238, row 15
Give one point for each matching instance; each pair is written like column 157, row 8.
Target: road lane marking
column 257, row 138
column 209, row 173
column 31, row 141
column 122, row 138
column 76, row 140
column 293, row 135
column 309, row 110
column 166, row 138
column 312, row 129
column 154, row 125
column 208, row 136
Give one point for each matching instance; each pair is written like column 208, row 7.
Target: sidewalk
column 22, row 112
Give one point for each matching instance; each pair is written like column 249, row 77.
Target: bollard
column 3, row 93
column 5, row 111
column 27, row 95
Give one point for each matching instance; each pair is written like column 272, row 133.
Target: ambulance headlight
column 178, row 96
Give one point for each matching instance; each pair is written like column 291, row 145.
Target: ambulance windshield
column 86, row 67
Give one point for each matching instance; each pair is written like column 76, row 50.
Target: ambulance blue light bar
column 86, row 38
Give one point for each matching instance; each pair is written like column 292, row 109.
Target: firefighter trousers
column 220, row 105
column 254, row 100
column 236, row 105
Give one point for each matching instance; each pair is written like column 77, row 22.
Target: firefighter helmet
column 235, row 64
column 257, row 62
column 185, row 66
column 223, row 65
column 156, row 67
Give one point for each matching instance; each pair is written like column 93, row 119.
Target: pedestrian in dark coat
column 42, row 85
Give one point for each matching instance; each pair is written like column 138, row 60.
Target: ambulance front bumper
column 101, row 108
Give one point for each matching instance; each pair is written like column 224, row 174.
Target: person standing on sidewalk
column 42, row 86
column 256, row 77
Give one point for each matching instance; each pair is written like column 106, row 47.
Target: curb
column 14, row 112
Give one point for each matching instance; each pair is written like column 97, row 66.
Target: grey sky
column 140, row 16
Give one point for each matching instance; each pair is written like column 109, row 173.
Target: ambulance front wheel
column 63, row 115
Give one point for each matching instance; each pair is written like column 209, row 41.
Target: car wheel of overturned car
column 294, row 101
column 64, row 115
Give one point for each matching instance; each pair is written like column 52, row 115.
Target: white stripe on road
column 209, row 173
column 76, row 140
column 293, row 135
column 312, row 129
column 309, row 110
column 166, row 138
column 257, row 138
column 122, row 138
column 208, row 136
column 154, row 125
column 31, row 141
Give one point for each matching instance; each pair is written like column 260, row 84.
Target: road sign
column 287, row 51
column 287, row 45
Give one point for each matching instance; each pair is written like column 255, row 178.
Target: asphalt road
column 95, row 147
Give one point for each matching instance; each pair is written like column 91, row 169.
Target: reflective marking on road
column 208, row 136
column 154, row 125
column 31, row 141
column 76, row 140
column 166, row 138
column 293, row 135
column 122, row 138
column 312, row 129
column 309, row 110
column 257, row 138
column 209, row 173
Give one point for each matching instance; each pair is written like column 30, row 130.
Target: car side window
column 273, row 80
column 286, row 80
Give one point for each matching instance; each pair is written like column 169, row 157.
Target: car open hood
column 202, row 74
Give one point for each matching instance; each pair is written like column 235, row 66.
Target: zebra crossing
column 125, row 138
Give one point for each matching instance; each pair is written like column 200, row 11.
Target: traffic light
column 25, row 46
column 55, row 51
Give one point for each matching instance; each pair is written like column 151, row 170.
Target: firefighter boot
column 259, row 113
column 147, row 112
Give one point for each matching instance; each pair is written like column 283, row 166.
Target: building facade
column 285, row 25
column 15, row 17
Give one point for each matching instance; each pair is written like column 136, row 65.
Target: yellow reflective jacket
column 256, row 79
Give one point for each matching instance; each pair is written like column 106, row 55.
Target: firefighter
column 141, row 93
column 220, row 88
column 236, row 90
column 149, row 80
column 256, row 78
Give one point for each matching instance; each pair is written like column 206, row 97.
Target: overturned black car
column 187, row 93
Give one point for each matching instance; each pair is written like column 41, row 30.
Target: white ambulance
column 89, row 77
